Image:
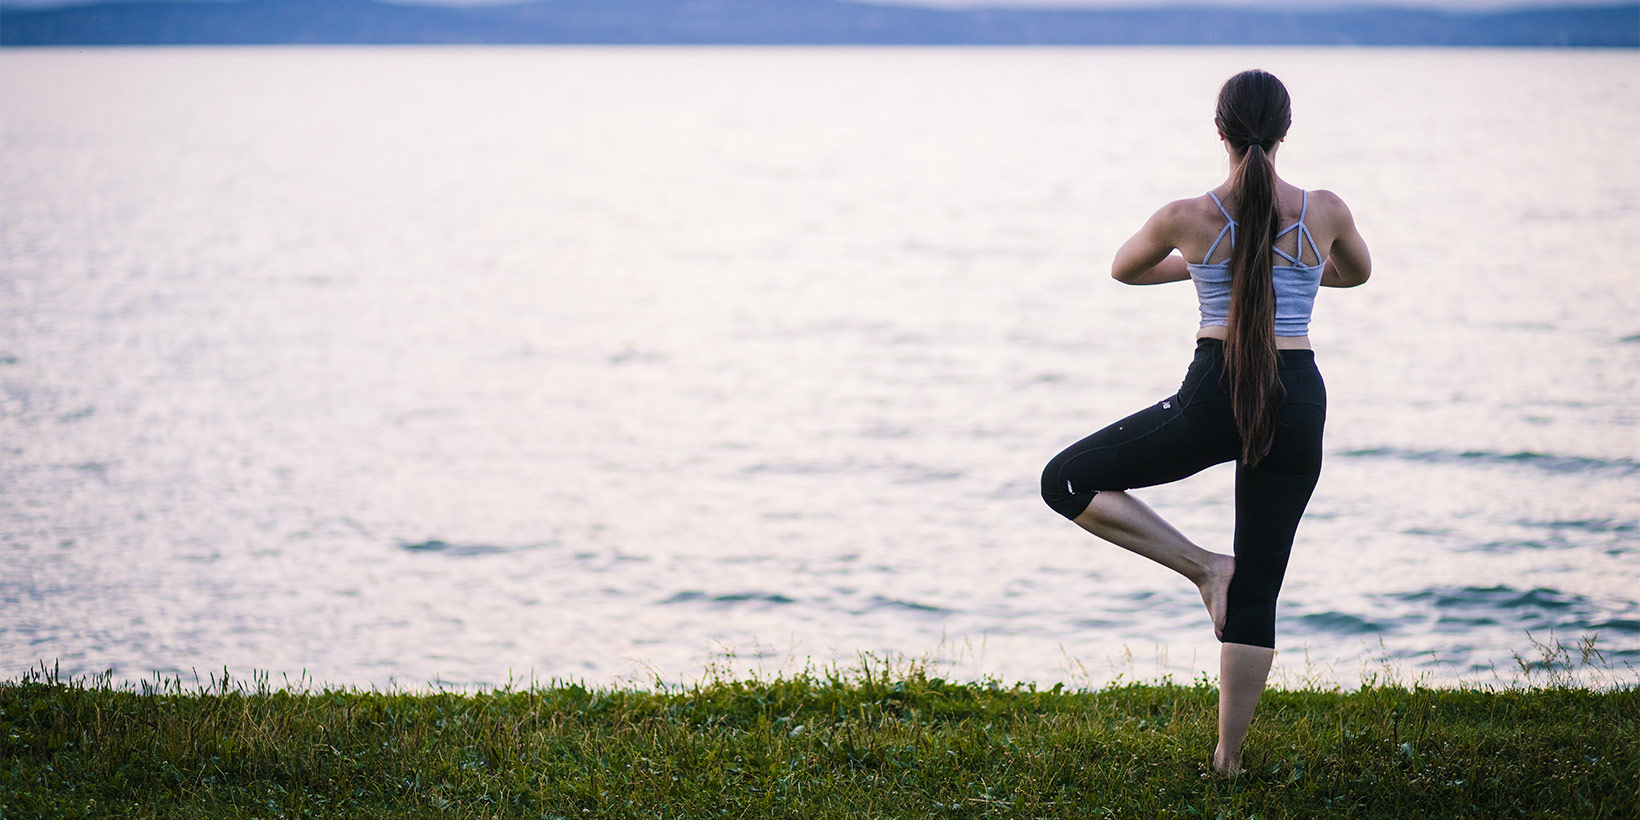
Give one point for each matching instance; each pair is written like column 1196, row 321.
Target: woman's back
column 1200, row 222
column 1295, row 272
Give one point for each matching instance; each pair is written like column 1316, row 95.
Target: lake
column 395, row 366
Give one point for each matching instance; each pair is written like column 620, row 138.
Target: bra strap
column 1304, row 233
column 1229, row 228
column 1216, row 201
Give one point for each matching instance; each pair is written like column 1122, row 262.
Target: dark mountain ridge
column 797, row 22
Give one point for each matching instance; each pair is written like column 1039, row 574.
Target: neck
column 1235, row 168
column 1236, row 163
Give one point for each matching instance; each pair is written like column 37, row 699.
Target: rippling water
column 398, row 364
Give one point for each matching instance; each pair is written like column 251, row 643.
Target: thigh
column 1164, row 442
column 1270, row 502
column 1295, row 449
column 1271, row 497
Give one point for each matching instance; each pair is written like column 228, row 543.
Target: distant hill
column 793, row 22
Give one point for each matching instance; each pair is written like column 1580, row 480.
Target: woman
column 1257, row 249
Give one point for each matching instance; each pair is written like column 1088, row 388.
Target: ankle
column 1209, row 569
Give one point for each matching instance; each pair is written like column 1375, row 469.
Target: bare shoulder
column 1196, row 207
column 1186, row 217
column 1349, row 263
column 1329, row 209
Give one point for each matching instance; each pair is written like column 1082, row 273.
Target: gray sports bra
column 1296, row 283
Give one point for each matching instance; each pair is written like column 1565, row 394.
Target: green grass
column 856, row 745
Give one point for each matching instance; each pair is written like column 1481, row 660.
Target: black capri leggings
column 1192, row 430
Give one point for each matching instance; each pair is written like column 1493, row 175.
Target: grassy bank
column 811, row 746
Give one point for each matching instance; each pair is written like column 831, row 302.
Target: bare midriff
column 1282, row 342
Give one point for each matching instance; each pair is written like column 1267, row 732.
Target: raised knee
column 1058, row 493
column 1054, row 486
column 1051, row 479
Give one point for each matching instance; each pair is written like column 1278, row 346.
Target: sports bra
column 1296, row 283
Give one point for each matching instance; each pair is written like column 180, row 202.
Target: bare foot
column 1215, row 590
column 1224, row 768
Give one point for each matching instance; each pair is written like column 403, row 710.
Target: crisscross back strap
column 1303, row 235
column 1229, row 228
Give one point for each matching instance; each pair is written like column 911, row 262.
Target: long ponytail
column 1254, row 113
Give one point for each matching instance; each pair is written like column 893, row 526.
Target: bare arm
column 1147, row 258
column 1170, row 269
column 1348, row 262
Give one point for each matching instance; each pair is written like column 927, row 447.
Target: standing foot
column 1225, row 768
column 1215, row 589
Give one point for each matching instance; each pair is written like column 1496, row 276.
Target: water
column 394, row 365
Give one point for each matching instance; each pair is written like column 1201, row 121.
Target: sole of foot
column 1215, row 590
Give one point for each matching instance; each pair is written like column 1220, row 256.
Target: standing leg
column 1269, row 503
column 1242, row 671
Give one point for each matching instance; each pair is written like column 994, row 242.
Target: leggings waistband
column 1286, row 358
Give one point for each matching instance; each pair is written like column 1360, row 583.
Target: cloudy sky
column 1441, row 4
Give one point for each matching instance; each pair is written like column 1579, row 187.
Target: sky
column 1477, row 5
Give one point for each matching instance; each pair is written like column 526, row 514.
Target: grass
column 872, row 743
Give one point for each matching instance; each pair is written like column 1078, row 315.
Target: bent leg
column 1159, row 444
column 1131, row 524
column 1164, row 442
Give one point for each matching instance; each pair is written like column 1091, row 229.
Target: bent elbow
column 1345, row 276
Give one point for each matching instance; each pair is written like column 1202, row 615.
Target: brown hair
column 1253, row 114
